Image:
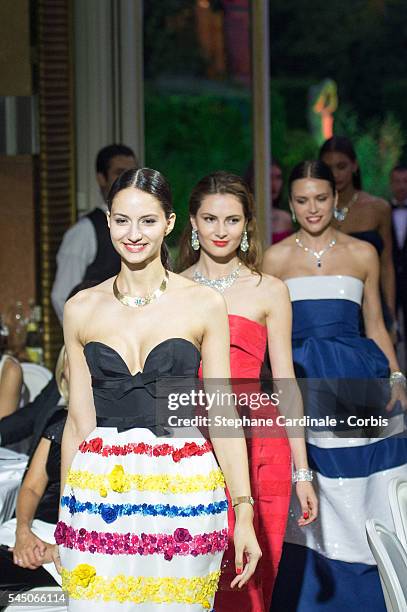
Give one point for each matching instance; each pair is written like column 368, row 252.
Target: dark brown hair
column 152, row 182
column 342, row 144
column 315, row 169
column 222, row 183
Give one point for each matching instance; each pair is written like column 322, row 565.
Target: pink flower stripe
column 190, row 449
column 181, row 542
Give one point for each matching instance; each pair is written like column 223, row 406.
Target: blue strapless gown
column 328, row 566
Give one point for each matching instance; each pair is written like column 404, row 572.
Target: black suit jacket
column 32, row 419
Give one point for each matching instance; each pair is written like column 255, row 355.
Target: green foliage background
column 361, row 44
column 189, row 136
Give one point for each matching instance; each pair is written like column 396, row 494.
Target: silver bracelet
column 397, row 377
column 302, row 475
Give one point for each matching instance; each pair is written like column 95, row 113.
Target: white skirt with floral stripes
column 143, row 523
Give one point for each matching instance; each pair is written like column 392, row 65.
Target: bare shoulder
column 85, row 301
column 359, row 249
column 274, row 288
column 275, row 254
column 196, row 296
column 182, row 280
column 188, row 273
column 12, row 368
column 375, row 202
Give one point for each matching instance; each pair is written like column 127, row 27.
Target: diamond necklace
column 137, row 301
column 317, row 254
column 220, row 284
column 341, row 213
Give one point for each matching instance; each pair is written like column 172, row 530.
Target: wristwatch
column 243, row 499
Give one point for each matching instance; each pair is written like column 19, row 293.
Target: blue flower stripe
column 110, row 512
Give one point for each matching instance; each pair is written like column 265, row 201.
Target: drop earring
column 293, row 217
column 195, row 240
column 244, row 243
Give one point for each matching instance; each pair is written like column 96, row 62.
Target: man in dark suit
column 398, row 188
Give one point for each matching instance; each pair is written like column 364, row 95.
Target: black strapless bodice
column 126, row 400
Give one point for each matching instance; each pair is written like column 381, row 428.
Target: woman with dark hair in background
column 143, row 516
column 362, row 215
column 220, row 249
column 331, row 277
column 280, row 219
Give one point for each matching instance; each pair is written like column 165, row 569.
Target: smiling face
column 220, row 222
column 313, row 203
column 342, row 168
column 138, row 225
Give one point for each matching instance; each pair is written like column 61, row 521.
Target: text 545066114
column 33, row 599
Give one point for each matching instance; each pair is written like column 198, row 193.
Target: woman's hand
column 29, row 550
column 308, row 502
column 398, row 394
column 246, row 546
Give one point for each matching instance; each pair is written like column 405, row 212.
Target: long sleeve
column 78, row 249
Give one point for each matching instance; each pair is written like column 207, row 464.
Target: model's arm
column 374, row 324
column 11, row 382
column 230, row 449
column 81, row 418
column 29, row 550
column 372, row 310
column 387, row 273
column 279, row 323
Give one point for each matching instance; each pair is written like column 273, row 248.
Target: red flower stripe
column 181, row 542
column 190, row 449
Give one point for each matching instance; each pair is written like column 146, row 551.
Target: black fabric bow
column 123, row 384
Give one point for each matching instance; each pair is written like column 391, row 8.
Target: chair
column 35, row 378
column 391, row 559
column 398, row 504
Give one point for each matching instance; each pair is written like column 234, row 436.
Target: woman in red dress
column 220, row 248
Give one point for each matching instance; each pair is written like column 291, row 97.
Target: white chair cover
column 12, row 467
column 398, row 505
column 391, row 559
column 35, row 378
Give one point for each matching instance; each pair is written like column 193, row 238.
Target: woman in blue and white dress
column 333, row 279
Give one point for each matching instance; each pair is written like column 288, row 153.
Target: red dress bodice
column 248, row 341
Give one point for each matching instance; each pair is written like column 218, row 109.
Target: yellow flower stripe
column 83, row 583
column 121, row 482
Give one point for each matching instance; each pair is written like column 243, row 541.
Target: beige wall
column 17, row 232
column 15, row 66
